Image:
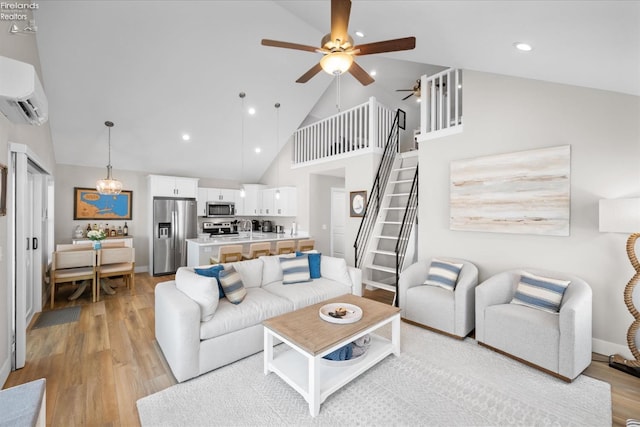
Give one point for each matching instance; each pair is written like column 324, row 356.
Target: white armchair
column 442, row 310
column 557, row 343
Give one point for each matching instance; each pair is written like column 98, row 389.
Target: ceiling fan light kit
column 338, row 49
column 336, row 63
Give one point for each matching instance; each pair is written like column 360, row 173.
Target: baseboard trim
column 5, row 370
column 607, row 348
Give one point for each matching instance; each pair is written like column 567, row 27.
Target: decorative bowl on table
column 340, row 312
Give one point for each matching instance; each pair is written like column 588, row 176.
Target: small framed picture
column 357, row 203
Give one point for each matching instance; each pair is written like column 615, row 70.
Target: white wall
column 38, row 139
column 504, row 114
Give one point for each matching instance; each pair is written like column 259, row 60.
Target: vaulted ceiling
column 159, row 69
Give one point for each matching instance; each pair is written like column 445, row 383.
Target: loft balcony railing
column 441, row 104
column 358, row 130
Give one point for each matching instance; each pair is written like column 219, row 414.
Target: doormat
column 57, row 317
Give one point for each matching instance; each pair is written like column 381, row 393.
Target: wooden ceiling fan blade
column 312, row 72
column 340, row 11
column 406, row 43
column 404, row 90
column 407, row 97
column 360, row 74
column 287, row 45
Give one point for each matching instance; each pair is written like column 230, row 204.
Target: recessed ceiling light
column 525, row 47
column 258, row 150
column 359, row 34
column 252, row 111
column 373, row 72
column 186, row 137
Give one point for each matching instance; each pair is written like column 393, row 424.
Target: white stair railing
column 363, row 128
column 441, row 102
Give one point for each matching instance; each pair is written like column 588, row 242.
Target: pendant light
column 242, row 95
column 109, row 186
column 277, row 105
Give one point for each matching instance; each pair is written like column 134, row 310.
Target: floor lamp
column 623, row 216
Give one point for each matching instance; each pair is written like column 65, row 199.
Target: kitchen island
column 201, row 249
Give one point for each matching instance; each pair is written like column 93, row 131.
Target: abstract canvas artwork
column 526, row 192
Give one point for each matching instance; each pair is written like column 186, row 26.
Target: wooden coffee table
column 310, row 338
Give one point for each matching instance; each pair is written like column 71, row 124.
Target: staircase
column 386, row 239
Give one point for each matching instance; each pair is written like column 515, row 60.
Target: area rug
column 436, row 381
column 57, row 317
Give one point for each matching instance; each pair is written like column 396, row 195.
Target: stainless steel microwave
column 218, row 209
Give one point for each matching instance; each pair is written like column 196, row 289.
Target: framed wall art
column 526, row 192
column 357, row 203
column 89, row 204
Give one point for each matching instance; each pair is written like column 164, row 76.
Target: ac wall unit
column 22, row 98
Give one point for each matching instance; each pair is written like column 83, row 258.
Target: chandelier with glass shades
column 109, row 185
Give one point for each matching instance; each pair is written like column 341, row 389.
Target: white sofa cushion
column 258, row 305
column 203, row 290
column 307, row 293
column 335, row 269
column 271, row 270
column 250, row 271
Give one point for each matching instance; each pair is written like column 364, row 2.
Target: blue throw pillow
column 314, row 265
column 213, row 272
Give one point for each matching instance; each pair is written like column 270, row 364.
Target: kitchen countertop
column 244, row 237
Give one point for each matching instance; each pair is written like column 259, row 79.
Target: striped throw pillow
column 231, row 283
column 295, row 270
column 443, row 274
column 540, row 292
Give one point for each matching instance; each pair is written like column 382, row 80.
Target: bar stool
column 257, row 250
column 306, row 245
column 284, row 247
column 228, row 253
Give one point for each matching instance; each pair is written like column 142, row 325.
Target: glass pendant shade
column 109, row 186
column 336, row 63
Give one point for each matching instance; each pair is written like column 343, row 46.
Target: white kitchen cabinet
column 285, row 205
column 201, row 201
column 251, row 203
column 172, row 186
column 268, row 202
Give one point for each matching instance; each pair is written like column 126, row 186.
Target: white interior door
column 338, row 222
column 29, row 225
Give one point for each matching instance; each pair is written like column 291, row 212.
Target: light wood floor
column 97, row 368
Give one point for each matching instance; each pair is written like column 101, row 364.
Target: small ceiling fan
column 338, row 49
column 415, row 91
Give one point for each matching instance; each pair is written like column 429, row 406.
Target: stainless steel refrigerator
column 174, row 221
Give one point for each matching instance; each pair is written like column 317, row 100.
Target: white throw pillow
column 335, row 269
column 250, row 272
column 271, row 270
column 203, row 290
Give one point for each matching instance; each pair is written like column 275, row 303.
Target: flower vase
column 97, row 244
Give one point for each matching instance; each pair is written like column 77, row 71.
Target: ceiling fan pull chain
column 338, row 92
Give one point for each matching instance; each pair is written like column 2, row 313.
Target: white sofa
column 194, row 344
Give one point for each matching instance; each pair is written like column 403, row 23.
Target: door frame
column 21, row 160
column 344, row 193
